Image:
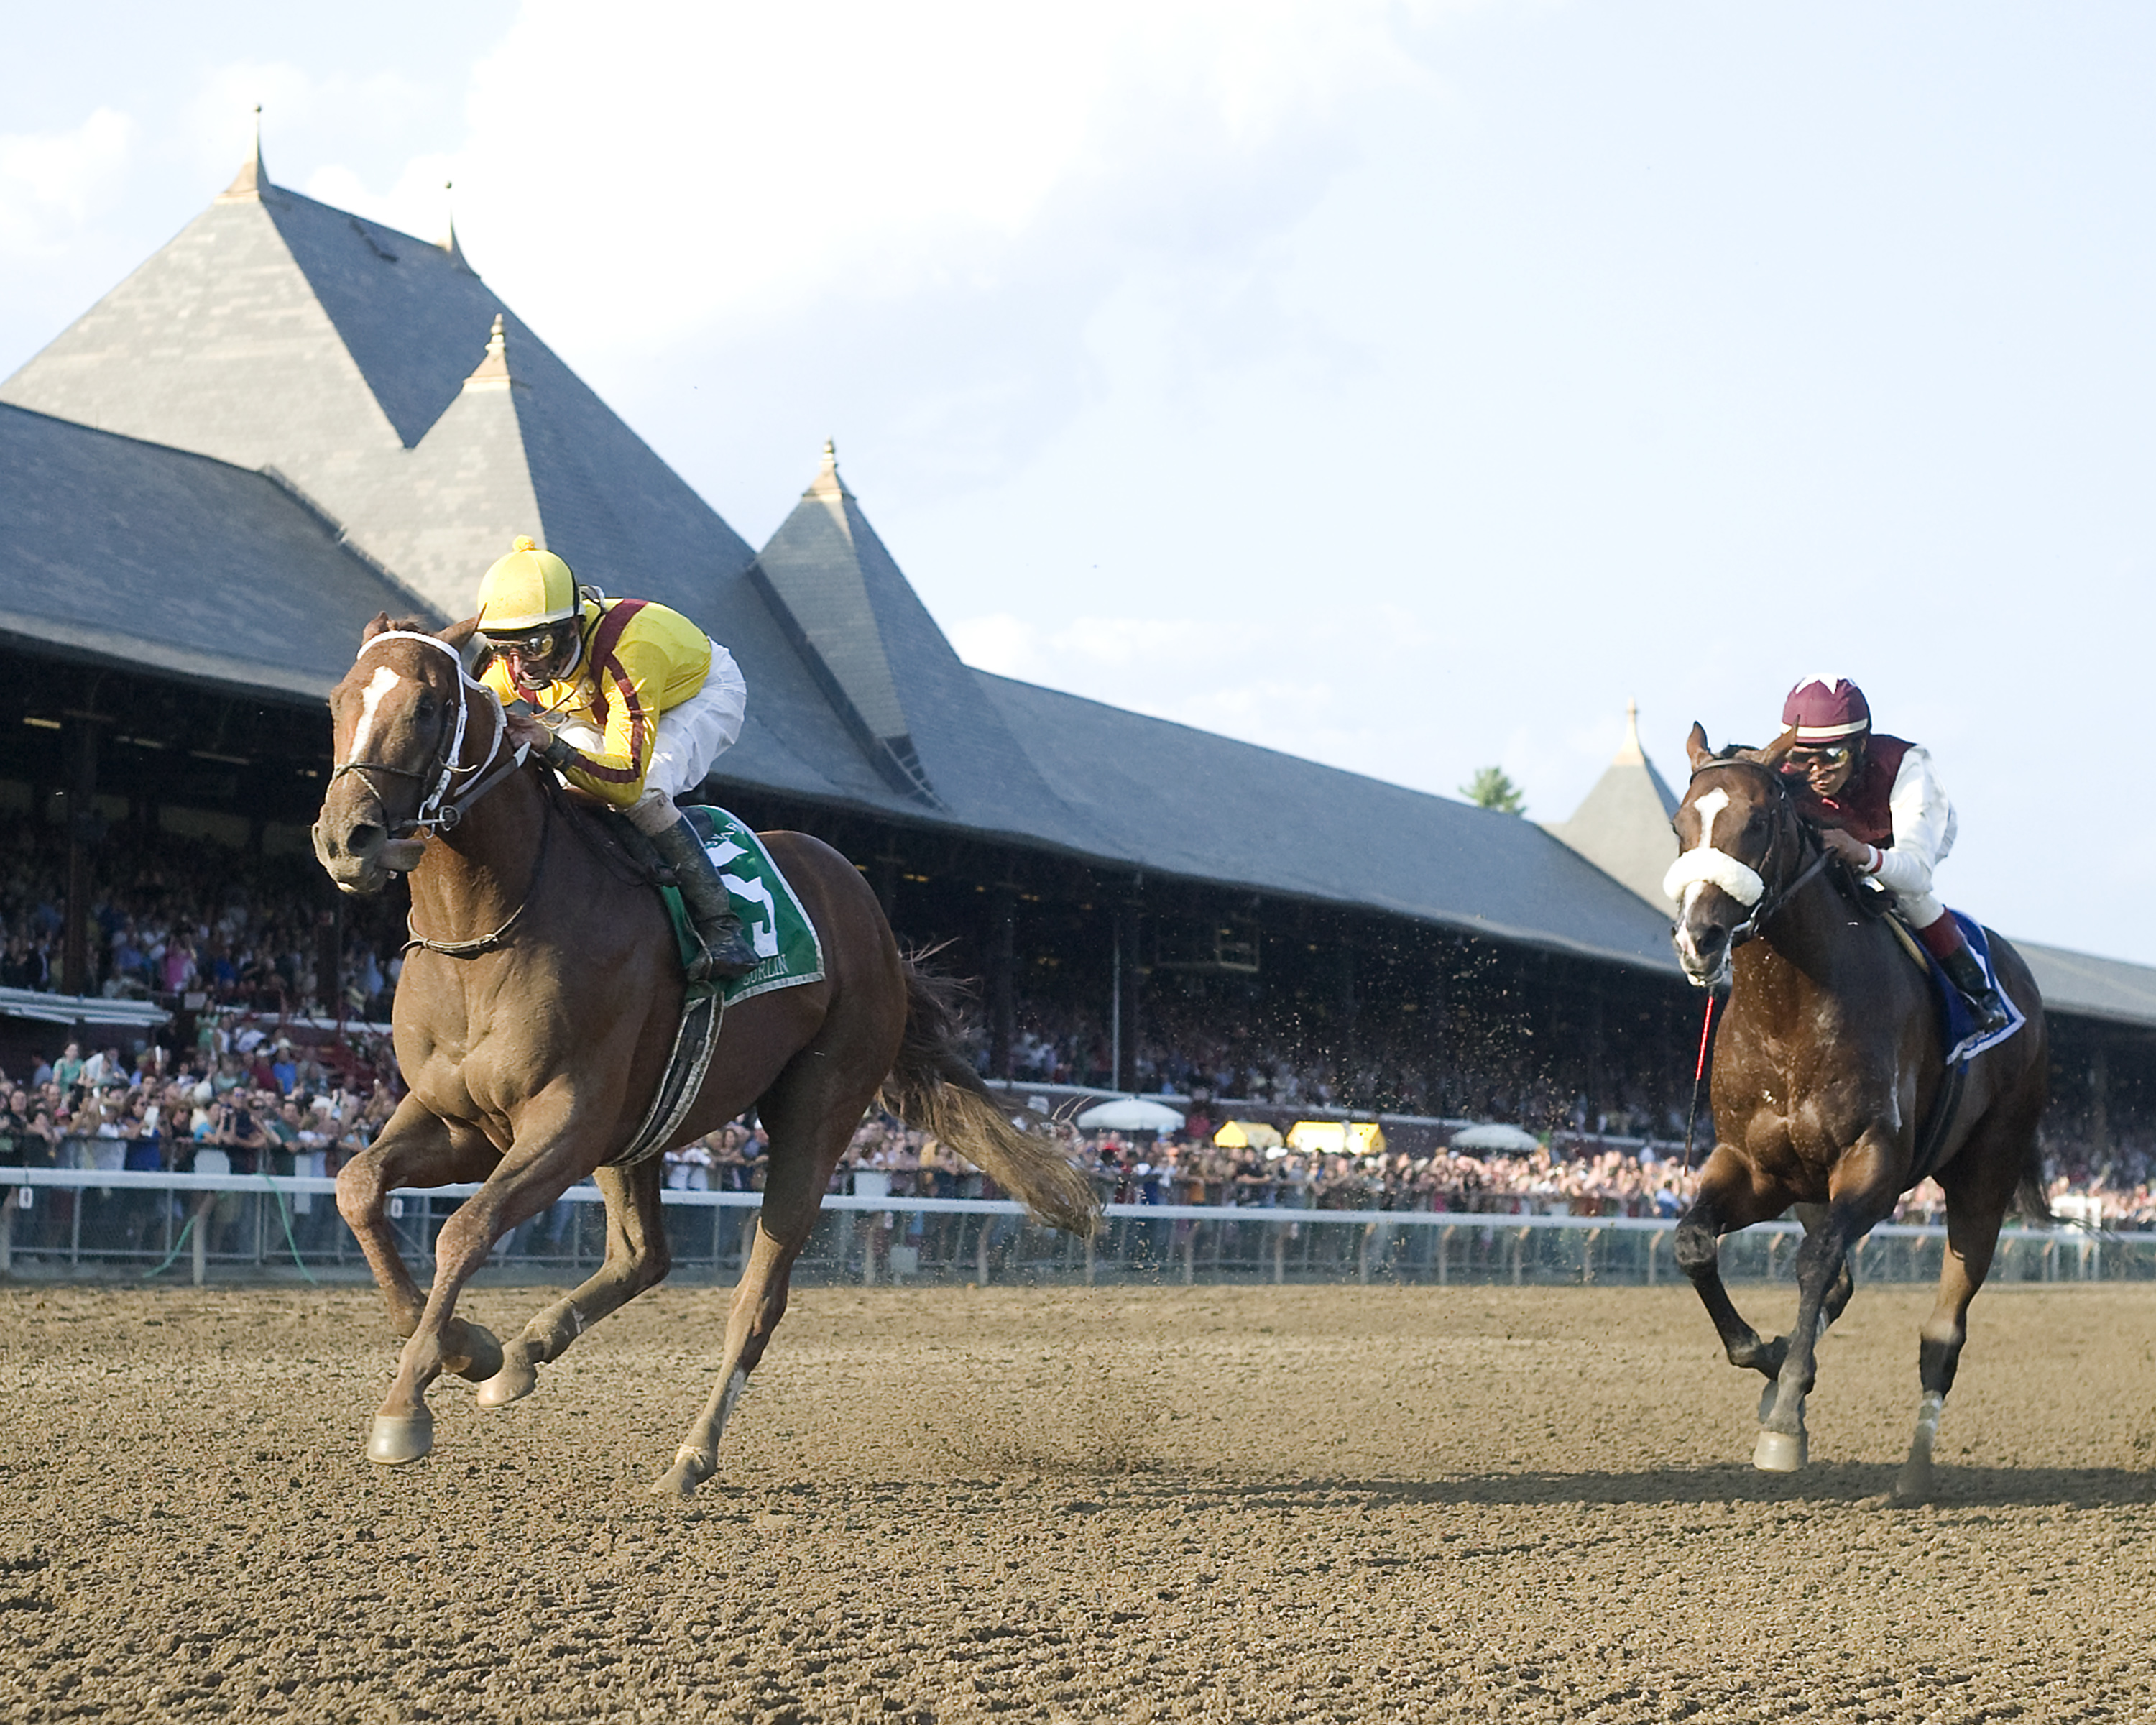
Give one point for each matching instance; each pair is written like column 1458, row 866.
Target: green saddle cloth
column 772, row 917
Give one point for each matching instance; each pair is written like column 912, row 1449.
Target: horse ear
column 1771, row 756
column 381, row 623
column 468, row 641
column 1696, row 746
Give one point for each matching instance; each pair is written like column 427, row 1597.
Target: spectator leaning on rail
column 1880, row 809
column 627, row 700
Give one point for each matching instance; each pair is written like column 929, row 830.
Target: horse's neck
column 1805, row 949
column 472, row 877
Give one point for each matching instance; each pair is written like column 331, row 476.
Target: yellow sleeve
column 656, row 661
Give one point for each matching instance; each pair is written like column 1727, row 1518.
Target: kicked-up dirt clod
column 1205, row 1503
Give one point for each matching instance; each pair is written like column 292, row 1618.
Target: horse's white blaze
column 1704, row 863
column 370, row 699
column 1712, row 804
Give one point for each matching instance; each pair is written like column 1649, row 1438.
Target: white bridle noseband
column 438, row 811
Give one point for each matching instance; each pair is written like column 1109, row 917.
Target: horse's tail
column 933, row 1088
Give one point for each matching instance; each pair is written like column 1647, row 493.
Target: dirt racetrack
column 1215, row 1504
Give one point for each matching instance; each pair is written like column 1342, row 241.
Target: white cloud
column 771, row 153
column 52, row 184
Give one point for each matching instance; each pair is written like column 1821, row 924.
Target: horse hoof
column 680, row 1480
column 1912, row 1484
column 513, row 1379
column 482, row 1355
column 395, row 1439
column 1778, row 1452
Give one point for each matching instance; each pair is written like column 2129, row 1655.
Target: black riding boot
column 726, row 952
column 1966, row 974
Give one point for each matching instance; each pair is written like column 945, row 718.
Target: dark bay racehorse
column 533, row 1027
column 1827, row 1064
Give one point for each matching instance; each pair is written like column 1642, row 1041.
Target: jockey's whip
column 1698, row 1071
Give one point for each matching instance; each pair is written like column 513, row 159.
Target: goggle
column 539, row 643
column 1840, row 754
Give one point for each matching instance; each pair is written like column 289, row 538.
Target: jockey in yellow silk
column 628, row 702
column 1881, row 808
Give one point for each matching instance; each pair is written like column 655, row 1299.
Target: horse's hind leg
column 416, row 1148
column 1975, row 1207
column 637, row 1259
column 811, row 1112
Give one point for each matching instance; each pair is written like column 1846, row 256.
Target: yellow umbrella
column 1247, row 1135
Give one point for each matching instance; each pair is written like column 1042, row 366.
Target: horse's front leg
column 1860, row 1193
column 637, row 1258
column 521, row 1185
column 1728, row 1200
column 416, row 1148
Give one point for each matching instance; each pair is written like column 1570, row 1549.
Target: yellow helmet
column 527, row 589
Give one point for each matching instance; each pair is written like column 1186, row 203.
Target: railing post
column 1519, row 1245
column 1089, row 1260
column 1587, row 1258
column 202, row 1238
column 1654, row 1246
column 7, row 1231
column 1190, row 1256
column 981, row 1252
column 1279, row 1252
column 1444, row 1253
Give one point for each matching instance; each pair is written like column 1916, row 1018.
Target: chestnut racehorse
column 1827, row 1066
column 534, row 1021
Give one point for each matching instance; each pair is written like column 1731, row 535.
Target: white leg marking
column 370, row 698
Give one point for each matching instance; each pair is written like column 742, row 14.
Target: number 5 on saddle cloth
column 776, row 926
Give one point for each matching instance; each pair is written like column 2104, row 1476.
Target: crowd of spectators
column 241, row 1101
column 178, row 916
column 237, row 936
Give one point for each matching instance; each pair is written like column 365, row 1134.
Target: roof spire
column 252, row 179
column 449, row 241
column 1631, row 754
column 493, row 370
column 827, row 483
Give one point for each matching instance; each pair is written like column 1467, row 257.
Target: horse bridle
column 439, row 812
column 1770, row 903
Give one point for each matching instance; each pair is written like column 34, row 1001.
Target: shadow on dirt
column 1826, row 1484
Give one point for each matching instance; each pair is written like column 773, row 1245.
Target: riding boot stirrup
column 726, row 955
column 1967, row 974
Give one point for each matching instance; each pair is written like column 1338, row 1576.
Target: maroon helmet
column 1824, row 709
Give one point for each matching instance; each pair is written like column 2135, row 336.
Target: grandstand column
column 83, row 831
column 1124, row 1005
column 1002, row 1005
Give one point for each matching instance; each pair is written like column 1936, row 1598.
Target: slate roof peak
column 1623, row 826
column 448, row 242
column 492, row 372
column 1630, row 754
column 252, row 179
column 827, row 485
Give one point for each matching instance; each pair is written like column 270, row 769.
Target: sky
column 1407, row 386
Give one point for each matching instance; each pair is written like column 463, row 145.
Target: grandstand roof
column 127, row 551
column 1623, row 828
column 290, row 419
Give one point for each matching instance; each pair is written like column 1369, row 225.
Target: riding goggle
column 540, row 643
column 1809, row 760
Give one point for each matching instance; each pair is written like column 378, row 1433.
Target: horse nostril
column 1712, row 938
column 362, row 841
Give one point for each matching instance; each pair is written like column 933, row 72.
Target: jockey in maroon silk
column 1881, row 808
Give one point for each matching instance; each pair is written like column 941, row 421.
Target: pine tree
column 1489, row 788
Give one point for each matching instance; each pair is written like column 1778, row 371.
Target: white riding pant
column 689, row 737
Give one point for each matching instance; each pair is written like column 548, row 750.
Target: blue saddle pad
column 1957, row 1018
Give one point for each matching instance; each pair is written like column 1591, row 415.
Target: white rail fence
column 62, row 1223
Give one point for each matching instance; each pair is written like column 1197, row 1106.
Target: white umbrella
column 1130, row 1114
column 1508, row 1139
